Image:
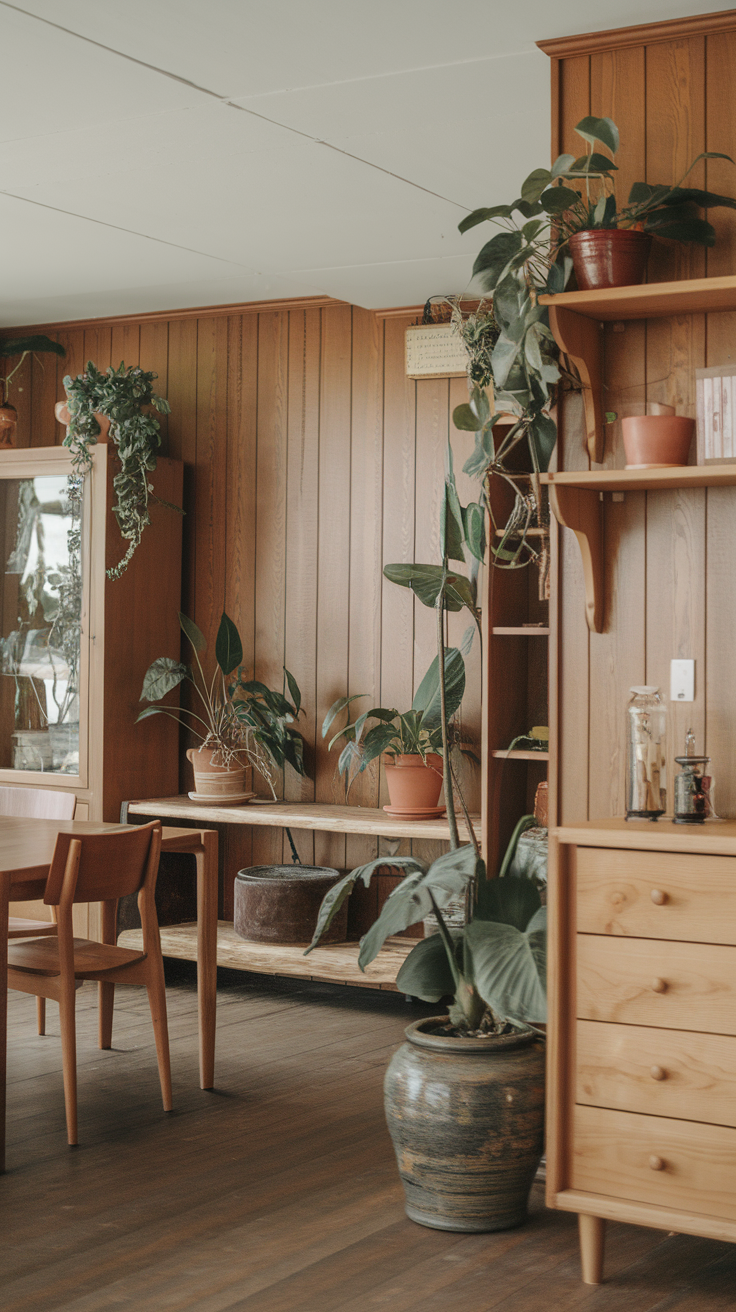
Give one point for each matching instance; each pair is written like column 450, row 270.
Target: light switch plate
column 682, row 681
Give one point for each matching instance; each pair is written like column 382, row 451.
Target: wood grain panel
column 621, row 980
column 613, row 1151
column 657, row 1072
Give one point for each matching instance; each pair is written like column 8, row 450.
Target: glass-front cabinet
column 45, row 595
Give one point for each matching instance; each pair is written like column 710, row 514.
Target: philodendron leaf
column 447, row 878
column 533, row 186
column 335, row 896
column 480, row 216
column 508, row 901
column 510, row 966
column 161, row 677
column 474, row 521
column 558, row 199
column 228, row 647
column 195, row 635
column 426, row 581
column 543, row 434
column 464, row 419
column 426, row 973
column 599, row 129
column 427, row 697
column 451, row 523
column 492, row 260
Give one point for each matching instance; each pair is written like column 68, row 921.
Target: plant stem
column 449, row 793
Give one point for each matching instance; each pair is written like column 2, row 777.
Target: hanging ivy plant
column 122, row 395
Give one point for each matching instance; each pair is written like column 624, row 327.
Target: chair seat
column 41, row 957
column 20, row 928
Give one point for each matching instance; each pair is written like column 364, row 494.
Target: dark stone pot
column 467, row 1121
column 280, row 904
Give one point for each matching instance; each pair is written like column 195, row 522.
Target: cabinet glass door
column 40, row 628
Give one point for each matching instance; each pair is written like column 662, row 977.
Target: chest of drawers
column 641, row 1092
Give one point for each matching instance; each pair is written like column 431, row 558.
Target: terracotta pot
column 466, row 1117
column 609, row 257
column 61, row 410
column 412, row 785
column 213, row 779
column 657, row 441
column 8, row 421
column 280, row 904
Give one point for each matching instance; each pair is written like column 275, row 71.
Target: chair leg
column 106, row 1002
column 41, row 1014
column 67, row 1017
column 157, row 1001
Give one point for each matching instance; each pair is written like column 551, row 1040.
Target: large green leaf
column 599, row 129
column 335, row 896
column 195, row 635
column 480, row 216
column 426, row 581
column 558, row 199
column 474, row 523
column 533, row 186
column 427, row 696
column 37, row 342
column 451, row 523
column 160, row 677
column 510, row 966
column 336, row 708
column 509, row 901
column 426, row 973
column 484, row 454
column 589, row 165
column 687, row 230
column 543, row 435
column 465, row 419
column 294, row 690
column 493, row 258
column 447, row 878
column 228, row 647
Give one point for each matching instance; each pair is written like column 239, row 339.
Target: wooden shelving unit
column 576, row 497
column 576, row 318
column 519, row 756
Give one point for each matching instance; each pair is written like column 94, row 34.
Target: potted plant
column 464, row 1096
column 122, row 396
column 241, row 723
column 410, row 742
column 20, row 346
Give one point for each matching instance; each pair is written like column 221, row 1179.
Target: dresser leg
column 592, row 1241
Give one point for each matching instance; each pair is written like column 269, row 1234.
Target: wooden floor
column 278, row 1192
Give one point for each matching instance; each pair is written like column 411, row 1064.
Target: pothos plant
column 123, row 395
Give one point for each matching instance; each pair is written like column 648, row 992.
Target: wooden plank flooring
column 277, row 1192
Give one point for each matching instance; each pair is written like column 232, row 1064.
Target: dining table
column 26, row 848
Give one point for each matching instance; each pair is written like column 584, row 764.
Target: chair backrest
column 111, row 865
column 40, row 803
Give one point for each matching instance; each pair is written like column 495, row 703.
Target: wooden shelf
column 519, row 631
column 654, row 300
column 501, row 754
column 326, row 817
column 335, row 963
column 576, row 500
column 576, row 317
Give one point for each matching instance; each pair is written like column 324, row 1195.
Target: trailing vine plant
column 122, row 395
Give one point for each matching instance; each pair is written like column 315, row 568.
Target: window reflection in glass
column 41, row 608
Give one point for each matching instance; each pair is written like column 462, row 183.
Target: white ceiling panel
column 132, row 178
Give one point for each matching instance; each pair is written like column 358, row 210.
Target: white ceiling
column 157, row 154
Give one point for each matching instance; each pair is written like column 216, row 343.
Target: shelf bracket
column 580, row 509
column 581, row 340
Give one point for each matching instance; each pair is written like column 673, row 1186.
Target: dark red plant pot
column 609, row 257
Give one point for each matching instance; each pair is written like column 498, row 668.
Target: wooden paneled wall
column 671, row 563
column 310, row 461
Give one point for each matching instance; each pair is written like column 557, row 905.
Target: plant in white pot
column 242, row 724
column 464, row 1096
column 409, row 741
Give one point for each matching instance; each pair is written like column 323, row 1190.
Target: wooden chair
column 97, row 868
column 44, row 804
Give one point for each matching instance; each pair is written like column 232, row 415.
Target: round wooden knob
column 656, row 1163
column 659, row 985
column 658, row 897
column 657, row 1073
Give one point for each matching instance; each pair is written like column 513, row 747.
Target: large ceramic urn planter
column 609, row 257
column 657, row 441
column 466, row 1117
column 414, row 785
column 216, row 782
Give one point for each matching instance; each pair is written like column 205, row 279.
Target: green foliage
column 415, row 732
column 245, row 721
column 122, row 395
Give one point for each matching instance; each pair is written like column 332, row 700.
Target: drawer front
column 651, row 1159
column 656, row 895
column 658, row 1072
column 680, row 986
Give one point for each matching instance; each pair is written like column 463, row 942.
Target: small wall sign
column 435, row 351
column 715, row 394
